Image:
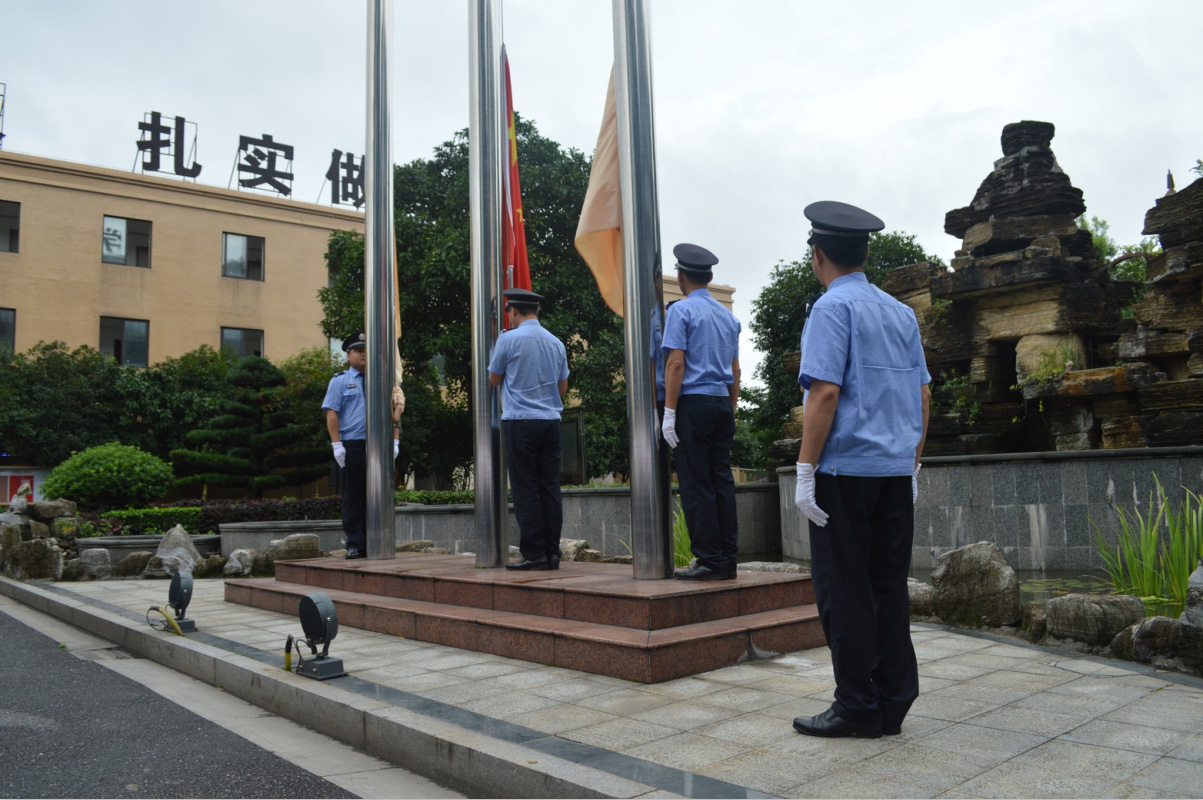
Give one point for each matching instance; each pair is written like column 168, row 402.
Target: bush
column 430, row 497
column 109, row 476
column 218, row 512
column 154, row 521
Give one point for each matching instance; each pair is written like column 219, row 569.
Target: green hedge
column 153, row 521
column 430, row 497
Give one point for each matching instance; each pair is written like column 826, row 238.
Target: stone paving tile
column 1022, row 680
column 1184, row 778
column 569, row 690
column 767, row 771
column 846, row 752
column 508, row 704
column 562, row 717
column 738, row 675
column 949, row 708
column 1137, row 738
column 1024, row 780
column 448, row 661
column 1110, row 688
column 862, row 784
column 1190, row 750
column 388, row 674
column 982, row 693
column 976, row 740
column 1081, row 707
column 624, row 702
column 744, row 699
column 619, row 734
column 686, row 714
column 928, row 685
column 1184, row 717
column 986, row 662
column 1131, row 790
column 687, row 751
column 802, row 707
column 527, row 679
column 952, row 672
column 1104, row 763
column 803, row 660
column 749, row 729
column 1028, row 720
column 929, row 765
column 793, row 685
column 460, row 693
column 487, row 669
column 1168, row 697
column 428, row 681
column 685, row 687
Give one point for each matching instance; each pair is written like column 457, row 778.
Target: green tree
column 252, row 443
column 433, row 230
column 779, row 313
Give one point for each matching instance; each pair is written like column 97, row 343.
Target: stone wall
column 1036, row 507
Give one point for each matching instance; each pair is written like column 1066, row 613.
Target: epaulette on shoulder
column 340, row 374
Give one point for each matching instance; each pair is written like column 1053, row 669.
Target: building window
column 125, row 241
column 243, row 341
column 242, row 256
column 8, row 329
column 10, row 226
column 126, row 340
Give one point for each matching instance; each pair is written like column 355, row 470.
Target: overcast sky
column 762, row 106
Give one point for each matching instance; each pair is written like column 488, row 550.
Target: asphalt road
column 72, row 728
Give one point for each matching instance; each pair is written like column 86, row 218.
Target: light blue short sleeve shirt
column 345, row 395
column 864, row 340
column 533, row 362
column 709, row 335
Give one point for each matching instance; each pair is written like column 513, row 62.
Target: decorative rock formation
column 1093, row 619
column 770, row 566
column 975, row 587
column 1035, row 619
column 416, row 546
column 1163, row 642
column 97, row 563
column 240, row 563
column 293, row 546
column 134, row 565
column 922, row 596
column 1192, row 614
column 176, row 551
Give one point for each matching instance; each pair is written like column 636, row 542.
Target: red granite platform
column 591, row 617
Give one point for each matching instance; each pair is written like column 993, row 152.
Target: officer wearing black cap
column 346, row 410
column 701, row 390
column 531, row 367
column 865, row 420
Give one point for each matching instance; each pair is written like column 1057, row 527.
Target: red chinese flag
column 517, row 267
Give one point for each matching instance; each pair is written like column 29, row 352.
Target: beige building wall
column 60, row 288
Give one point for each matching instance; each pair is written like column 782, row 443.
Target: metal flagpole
column 380, row 279
column 650, row 537
column 485, row 153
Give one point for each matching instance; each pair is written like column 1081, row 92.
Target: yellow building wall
column 60, row 288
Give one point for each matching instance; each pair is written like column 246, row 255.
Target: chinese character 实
column 346, row 179
column 257, row 158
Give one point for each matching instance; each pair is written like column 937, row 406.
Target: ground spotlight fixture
column 319, row 620
column 178, row 597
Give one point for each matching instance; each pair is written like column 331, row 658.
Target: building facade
column 144, row 268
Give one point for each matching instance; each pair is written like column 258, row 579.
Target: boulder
column 589, row 554
column 1092, row 618
column 618, row 560
column 975, row 587
column 49, row 510
column 418, row 546
column 1192, row 614
column 39, row 530
column 34, row 560
column 176, row 551
column 769, row 566
column 209, row 567
column 293, row 546
column 73, row 570
column 135, row 564
column 10, row 540
column 570, row 549
column 1162, row 642
column 242, row 562
column 921, row 595
column 442, row 551
column 1035, row 619
column 18, row 528
column 97, row 563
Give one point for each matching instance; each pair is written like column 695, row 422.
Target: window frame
column 12, row 346
column 250, row 275
column 241, row 352
column 123, row 359
column 132, row 250
column 6, row 247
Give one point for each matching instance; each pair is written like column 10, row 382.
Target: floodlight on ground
column 319, row 620
column 178, row 597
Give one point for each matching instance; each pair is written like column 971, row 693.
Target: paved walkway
column 995, row 717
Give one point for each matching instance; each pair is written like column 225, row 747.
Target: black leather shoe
column 353, row 554
column 553, row 562
column 891, row 728
column 524, row 564
column 701, row 573
column 832, row 726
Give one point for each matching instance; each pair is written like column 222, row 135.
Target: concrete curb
column 467, row 761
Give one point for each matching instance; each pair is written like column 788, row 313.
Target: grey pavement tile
column 953, row 672
column 1172, row 775
column 619, row 734
column 1028, row 720
column 1125, row 736
column 984, row 693
column 768, row 771
column 460, row 693
column 561, row 717
column 916, row 727
column 987, row 662
column 957, row 794
column 685, row 715
column 1106, row 763
column 927, row 685
column 1012, row 651
column 486, row 669
column 750, row 729
column 801, row 707
column 1131, row 790
column 845, row 752
column 848, row 783
column 1024, row 780
column 687, row 751
column 1184, row 717
column 976, row 740
column 508, row 705
column 1190, row 750
column 949, row 708
column 940, row 768
column 527, row 679
column 570, row 690
column 427, row 681
column 624, row 702
column 659, row 793
column 801, row 661
column 1023, row 680
column 448, row 661
column 1095, row 686
column 1080, row 707
column 738, row 675
column 685, row 687
column 1178, row 696
column 744, row 699
column 793, row 685
column 390, row 675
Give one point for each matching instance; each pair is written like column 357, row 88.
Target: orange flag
column 517, row 266
column 599, row 232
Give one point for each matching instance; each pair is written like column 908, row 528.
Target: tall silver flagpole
column 641, row 239
column 380, row 281
column 485, row 153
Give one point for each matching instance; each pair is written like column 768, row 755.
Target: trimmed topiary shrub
column 109, row 476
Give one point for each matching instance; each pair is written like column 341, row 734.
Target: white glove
column 396, row 448
column 340, row 453
column 669, row 427
column 804, row 495
column 915, row 484
column 398, row 403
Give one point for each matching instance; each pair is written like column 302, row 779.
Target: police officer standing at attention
column 863, row 428
column 531, row 367
column 701, row 390
column 346, row 408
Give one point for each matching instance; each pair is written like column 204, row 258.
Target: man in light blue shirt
column 863, row 427
column 701, row 391
column 531, row 367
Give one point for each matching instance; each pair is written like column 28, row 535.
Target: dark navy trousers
column 532, row 448
column 859, row 564
column 706, row 429
column 355, row 494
